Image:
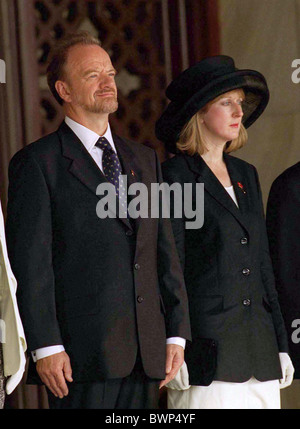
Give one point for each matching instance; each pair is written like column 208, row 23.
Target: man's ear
column 63, row 91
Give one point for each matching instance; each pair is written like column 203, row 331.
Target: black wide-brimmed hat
column 203, row 82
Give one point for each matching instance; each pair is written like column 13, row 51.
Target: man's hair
column 55, row 69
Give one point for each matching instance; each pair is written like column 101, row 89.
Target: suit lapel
column 128, row 161
column 130, row 167
column 216, row 189
column 83, row 167
column 240, row 187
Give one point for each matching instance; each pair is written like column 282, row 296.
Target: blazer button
column 137, row 266
column 140, row 299
column 244, row 240
column 129, row 233
column 246, row 302
column 246, row 271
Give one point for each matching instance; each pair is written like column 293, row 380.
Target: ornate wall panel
column 148, row 42
column 131, row 31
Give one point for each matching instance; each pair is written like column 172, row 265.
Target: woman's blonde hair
column 191, row 139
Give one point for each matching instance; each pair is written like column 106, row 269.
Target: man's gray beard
column 104, row 106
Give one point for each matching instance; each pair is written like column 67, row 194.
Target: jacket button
column 246, row 271
column 246, row 302
column 140, row 299
column 137, row 266
column 244, row 240
column 129, row 233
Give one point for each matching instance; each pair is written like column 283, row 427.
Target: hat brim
column 173, row 119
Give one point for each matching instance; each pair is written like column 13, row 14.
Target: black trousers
column 136, row 391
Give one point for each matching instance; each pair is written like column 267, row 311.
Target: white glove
column 287, row 370
column 181, row 380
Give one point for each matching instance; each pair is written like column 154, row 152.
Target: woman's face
column 221, row 122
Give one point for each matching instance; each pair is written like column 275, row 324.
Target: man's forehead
column 86, row 56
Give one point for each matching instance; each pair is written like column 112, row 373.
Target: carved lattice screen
column 131, row 32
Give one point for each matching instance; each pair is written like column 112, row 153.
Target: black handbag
column 201, row 360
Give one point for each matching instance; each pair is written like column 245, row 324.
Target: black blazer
column 283, row 211
column 228, row 272
column 101, row 287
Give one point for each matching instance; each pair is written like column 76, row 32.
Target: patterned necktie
column 110, row 163
column 112, row 170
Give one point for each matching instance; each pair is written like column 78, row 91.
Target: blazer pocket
column 210, row 304
column 80, row 305
column 266, row 304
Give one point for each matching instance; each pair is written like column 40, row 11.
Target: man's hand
column 54, row 370
column 174, row 360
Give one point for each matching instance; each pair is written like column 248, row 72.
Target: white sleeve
column 46, row 351
column 177, row 340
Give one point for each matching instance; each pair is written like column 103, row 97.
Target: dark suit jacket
column 101, row 287
column 283, row 213
column 228, row 273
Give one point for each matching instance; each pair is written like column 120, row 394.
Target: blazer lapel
column 83, row 167
column 239, row 185
column 130, row 167
column 217, row 190
column 127, row 158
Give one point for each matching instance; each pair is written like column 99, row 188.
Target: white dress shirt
column 89, row 138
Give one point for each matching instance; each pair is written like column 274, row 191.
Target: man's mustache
column 105, row 91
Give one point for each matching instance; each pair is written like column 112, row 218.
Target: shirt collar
column 88, row 137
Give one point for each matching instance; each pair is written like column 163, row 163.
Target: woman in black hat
column 239, row 350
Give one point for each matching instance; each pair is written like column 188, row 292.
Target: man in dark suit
column 283, row 210
column 98, row 297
